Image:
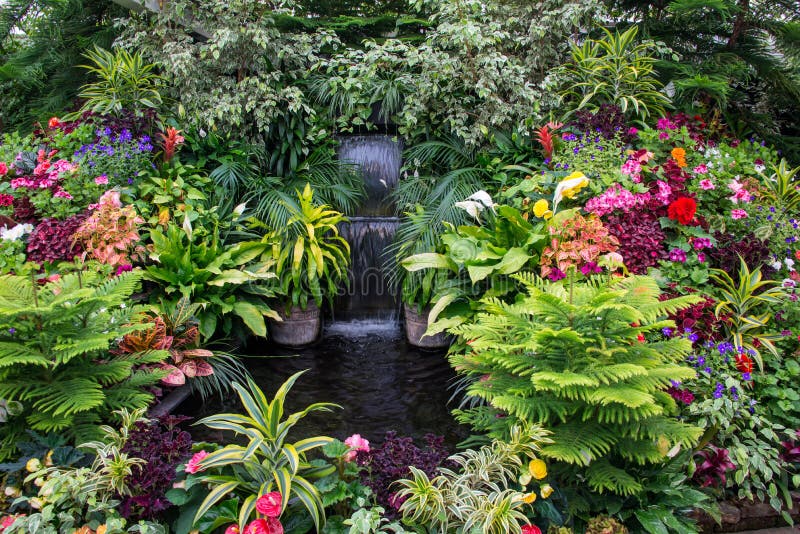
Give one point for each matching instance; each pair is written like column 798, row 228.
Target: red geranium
column 682, row 210
column 744, row 364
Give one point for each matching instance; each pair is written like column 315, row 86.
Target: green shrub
column 573, row 357
column 55, row 359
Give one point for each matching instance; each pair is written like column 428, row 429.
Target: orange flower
column 679, row 155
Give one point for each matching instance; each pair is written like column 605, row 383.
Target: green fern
column 55, row 358
column 569, row 358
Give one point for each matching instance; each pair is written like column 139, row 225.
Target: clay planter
column 298, row 328
column 417, row 324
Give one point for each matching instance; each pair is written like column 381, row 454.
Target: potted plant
column 311, row 260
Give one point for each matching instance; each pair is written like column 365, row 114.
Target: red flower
column 232, row 529
column 531, row 529
column 54, row 122
column 193, row 465
column 170, row 141
column 264, row 526
column 269, row 504
column 744, row 364
column 682, row 210
column 6, row 200
column 3, row 168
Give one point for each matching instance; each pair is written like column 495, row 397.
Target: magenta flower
column 356, row 443
column 701, row 169
column 556, row 274
column 738, row 214
column 677, row 254
column 590, row 268
column 707, row 184
column 193, row 465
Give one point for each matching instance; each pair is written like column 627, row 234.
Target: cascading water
column 363, row 361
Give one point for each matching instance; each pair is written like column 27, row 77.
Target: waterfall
column 369, row 297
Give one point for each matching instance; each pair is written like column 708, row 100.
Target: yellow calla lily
column 567, row 187
column 529, row 498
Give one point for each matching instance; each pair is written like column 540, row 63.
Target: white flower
column 776, row 265
column 476, row 203
column 789, row 263
column 759, row 168
column 15, row 233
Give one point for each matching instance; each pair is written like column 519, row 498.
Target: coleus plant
column 176, row 332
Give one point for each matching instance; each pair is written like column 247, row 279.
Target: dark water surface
column 368, row 368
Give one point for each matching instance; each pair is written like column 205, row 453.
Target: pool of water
column 368, row 368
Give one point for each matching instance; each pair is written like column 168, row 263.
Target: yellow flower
column 101, row 529
column 538, row 469
column 525, row 479
column 541, row 209
column 48, row 460
column 574, row 183
column 546, row 491
column 567, row 187
column 529, row 498
column 33, row 465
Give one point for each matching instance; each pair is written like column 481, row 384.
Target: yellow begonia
column 542, row 209
column 33, row 465
column 546, row 491
column 538, row 469
column 529, row 498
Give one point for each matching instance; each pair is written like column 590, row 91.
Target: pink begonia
column 663, row 136
column 62, row 194
column 633, row 169
column 707, row 184
column 193, row 465
column 701, row 169
column 101, row 180
column 62, row 165
column 739, row 192
column 356, row 443
column 738, row 214
column 664, row 192
column 616, row 198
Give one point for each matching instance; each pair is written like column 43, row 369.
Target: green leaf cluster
column 225, row 279
column 55, row 359
column 571, row 357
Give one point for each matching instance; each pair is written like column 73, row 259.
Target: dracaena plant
column 487, row 490
column 55, row 357
column 310, row 256
column 269, row 462
column 574, row 357
column 743, row 304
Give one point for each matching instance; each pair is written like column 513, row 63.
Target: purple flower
column 747, row 377
column 666, row 331
column 12, row 330
column 590, row 268
column 677, row 254
column 693, row 338
column 718, row 391
column 556, row 275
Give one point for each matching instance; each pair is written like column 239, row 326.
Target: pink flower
column 531, row 529
column 16, row 183
column 3, row 169
column 701, row 169
column 232, row 529
column 663, row 136
column 101, row 180
column 356, row 443
column 664, row 192
column 665, row 124
column 707, row 184
column 678, row 255
column 614, row 198
column 701, row 257
column 739, row 192
column 8, row 520
column 632, row 131
column 264, row 526
column 124, row 268
column 62, row 194
column 269, row 504
column 193, row 465
column 738, row 214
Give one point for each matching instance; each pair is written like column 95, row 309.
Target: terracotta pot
column 298, row 328
column 417, row 324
